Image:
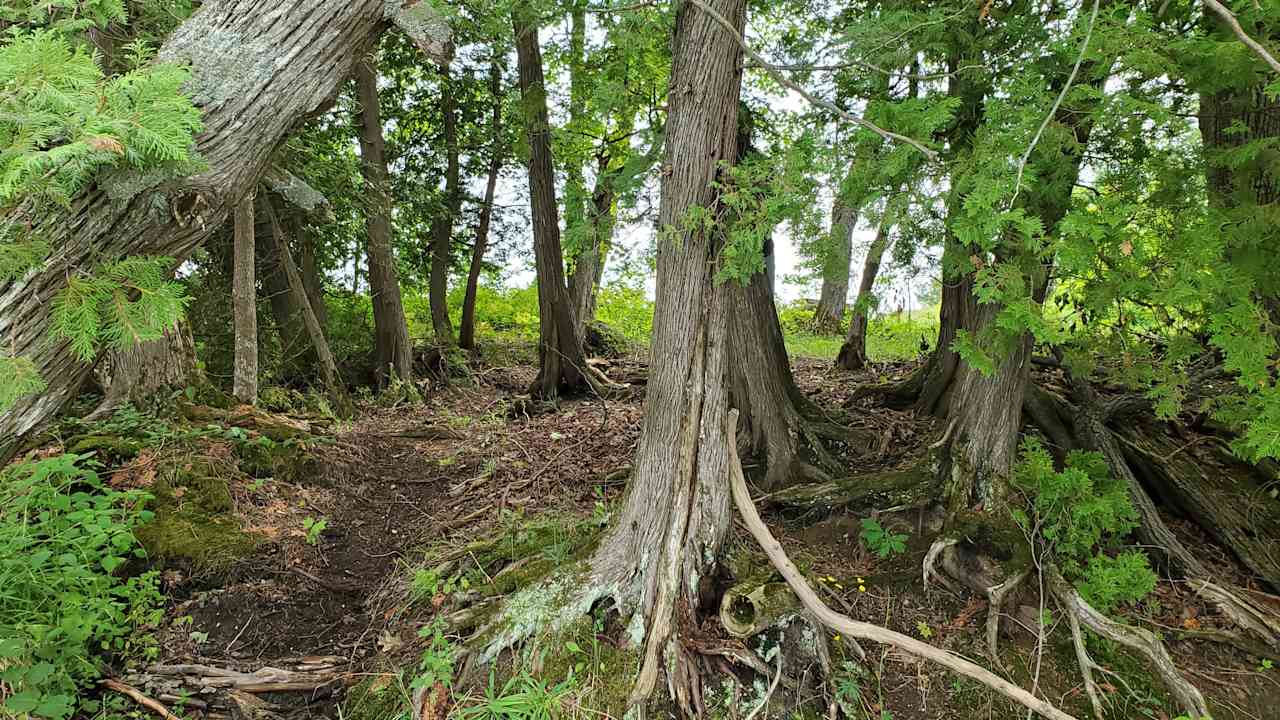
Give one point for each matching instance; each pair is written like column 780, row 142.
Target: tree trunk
column 258, row 67
column 392, row 350
column 853, row 353
column 244, row 296
column 297, row 357
column 588, row 267
column 328, row 367
column 442, row 224
column 658, row 562
column 829, row 315
column 772, row 407
column 561, row 365
column 467, row 330
column 143, row 373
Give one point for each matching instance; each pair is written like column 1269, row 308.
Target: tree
column 853, row 352
column 244, row 291
column 561, row 364
column 828, row 316
column 232, row 49
column 497, row 157
column 392, row 349
column 442, row 224
column 677, row 504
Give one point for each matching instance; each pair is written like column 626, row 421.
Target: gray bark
column 442, row 224
column 853, row 353
column 244, row 301
column 257, row 68
column 147, row 371
column 467, row 325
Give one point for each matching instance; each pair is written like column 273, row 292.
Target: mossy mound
column 109, row 449
column 285, row 461
column 192, row 527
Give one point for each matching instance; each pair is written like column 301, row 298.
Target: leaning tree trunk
column 853, row 353
column 257, row 67
column 561, row 365
column 328, row 367
column 829, row 315
column 296, row 354
column 442, row 224
column 658, row 560
column 244, row 302
column 392, row 350
column 467, row 326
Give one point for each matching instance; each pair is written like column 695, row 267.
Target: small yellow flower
column 836, row 637
column 838, row 585
column 862, row 588
column 830, row 579
column 860, row 581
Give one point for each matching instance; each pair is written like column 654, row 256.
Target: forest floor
column 349, row 560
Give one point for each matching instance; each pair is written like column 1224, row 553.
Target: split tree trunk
column 244, row 297
column 677, row 508
column 392, row 350
column 442, row 224
column 588, row 267
column 853, row 353
column 829, row 315
column 467, row 329
column 328, row 367
column 257, row 67
column 561, row 365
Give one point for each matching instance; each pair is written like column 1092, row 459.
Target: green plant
column 427, row 583
column 314, row 527
column 1079, row 511
column 435, row 665
column 522, row 697
column 1266, row 665
column 880, row 540
column 65, row 538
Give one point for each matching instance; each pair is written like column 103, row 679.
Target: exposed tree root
column 996, row 595
column 1087, row 665
column 1142, row 641
column 931, row 558
column 844, row 624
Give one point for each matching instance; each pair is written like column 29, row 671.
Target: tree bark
column 561, row 365
column 467, row 329
column 442, row 224
column 392, row 350
column 588, row 266
column 148, row 371
column 297, row 357
column 829, row 315
column 328, row 367
column 659, row 560
column 257, row 68
column 244, row 295
column 853, row 353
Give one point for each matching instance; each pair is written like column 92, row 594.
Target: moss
column 281, row 400
column 285, row 461
column 192, row 524
column 377, row 698
column 910, row 486
column 110, row 449
column 994, row 534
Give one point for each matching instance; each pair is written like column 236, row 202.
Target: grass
column 890, row 338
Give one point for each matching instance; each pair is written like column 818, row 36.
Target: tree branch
column 1230, row 19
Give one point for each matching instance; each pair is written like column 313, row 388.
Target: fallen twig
column 844, row 624
column 134, row 694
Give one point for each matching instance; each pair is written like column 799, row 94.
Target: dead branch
column 846, row 625
column 135, row 695
column 1230, row 19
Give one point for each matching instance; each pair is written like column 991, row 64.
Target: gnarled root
column 846, row 625
column 1086, row 663
column 996, row 595
column 1142, row 641
column 931, row 557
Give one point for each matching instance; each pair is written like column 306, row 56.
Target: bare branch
column 1230, row 19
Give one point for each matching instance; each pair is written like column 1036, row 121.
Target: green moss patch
column 193, row 525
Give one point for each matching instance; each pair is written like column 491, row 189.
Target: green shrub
column 1081, row 512
column 65, row 537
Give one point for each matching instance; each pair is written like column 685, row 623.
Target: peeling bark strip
column 258, row 66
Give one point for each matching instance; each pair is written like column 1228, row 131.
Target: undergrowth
column 66, row 539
